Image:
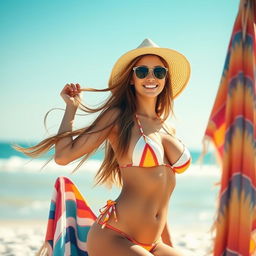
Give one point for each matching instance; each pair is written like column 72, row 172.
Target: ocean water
column 25, row 189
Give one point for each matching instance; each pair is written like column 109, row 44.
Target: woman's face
column 149, row 86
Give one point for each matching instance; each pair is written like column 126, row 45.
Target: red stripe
column 181, row 166
column 143, row 156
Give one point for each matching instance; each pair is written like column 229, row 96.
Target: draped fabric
column 70, row 219
column 232, row 130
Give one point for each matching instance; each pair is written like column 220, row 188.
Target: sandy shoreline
column 24, row 238
column 21, row 238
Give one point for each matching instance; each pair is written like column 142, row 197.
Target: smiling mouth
column 152, row 86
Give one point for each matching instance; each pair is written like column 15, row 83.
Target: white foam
column 202, row 170
column 205, row 215
column 15, row 163
column 34, row 206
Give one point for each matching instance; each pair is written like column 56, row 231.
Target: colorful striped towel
column 70, row 219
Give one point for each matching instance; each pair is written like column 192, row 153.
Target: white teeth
column 150, row 86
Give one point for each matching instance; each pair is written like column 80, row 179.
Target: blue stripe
column 59, row 247
column 236, row 40
column 240, row 184
column 244, row 126
column 71, row 237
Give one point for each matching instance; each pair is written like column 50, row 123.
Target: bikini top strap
column 140, row 127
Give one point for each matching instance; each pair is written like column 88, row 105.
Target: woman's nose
column 150, row 74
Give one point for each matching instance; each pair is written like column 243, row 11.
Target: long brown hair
column 123, row 98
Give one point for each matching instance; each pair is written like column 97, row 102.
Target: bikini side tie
column 107, row 209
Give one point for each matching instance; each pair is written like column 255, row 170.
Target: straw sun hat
column 179, row 67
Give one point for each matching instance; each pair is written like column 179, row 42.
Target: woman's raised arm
column 67, row 149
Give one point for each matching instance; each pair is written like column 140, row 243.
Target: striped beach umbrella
column 232, row 130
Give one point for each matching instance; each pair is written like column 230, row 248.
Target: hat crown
column 147, row 43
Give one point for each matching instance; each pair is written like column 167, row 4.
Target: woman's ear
column 131, row 81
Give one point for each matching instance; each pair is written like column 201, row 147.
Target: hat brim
column 179, row 67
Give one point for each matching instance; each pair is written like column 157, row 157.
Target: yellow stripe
column 181, row 169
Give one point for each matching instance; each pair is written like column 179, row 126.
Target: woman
column 142, row 152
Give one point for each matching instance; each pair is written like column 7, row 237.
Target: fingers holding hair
column 72, row 89
column 71, row 94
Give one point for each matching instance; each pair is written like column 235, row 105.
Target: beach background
column 46, row 44
column 26, row 189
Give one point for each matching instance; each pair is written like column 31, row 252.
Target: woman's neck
column 146, row 108
column 153, row 117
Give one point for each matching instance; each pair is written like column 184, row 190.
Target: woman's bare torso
column 143, row 202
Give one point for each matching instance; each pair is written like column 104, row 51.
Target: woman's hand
column 71, row 94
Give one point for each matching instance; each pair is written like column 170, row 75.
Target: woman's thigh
column 106, row 242
column 162, row 249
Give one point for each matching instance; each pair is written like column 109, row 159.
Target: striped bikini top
column 148, row 153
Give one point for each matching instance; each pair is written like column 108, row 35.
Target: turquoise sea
column 25, row 189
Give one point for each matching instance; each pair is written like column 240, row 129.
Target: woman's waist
column 139, row 205
column 142, row 222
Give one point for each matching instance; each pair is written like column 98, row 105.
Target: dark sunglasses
column 142, row 72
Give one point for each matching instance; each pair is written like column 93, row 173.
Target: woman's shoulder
column 169, row 128
column 106, row 119
column 110, row 115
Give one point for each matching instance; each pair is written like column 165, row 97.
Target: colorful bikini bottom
column 105, row 213
column 148, row 247
column 70, row 219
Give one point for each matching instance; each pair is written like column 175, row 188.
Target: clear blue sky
column 46, row 44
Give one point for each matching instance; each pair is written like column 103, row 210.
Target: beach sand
column 24, row 238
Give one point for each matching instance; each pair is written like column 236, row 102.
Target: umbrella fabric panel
column 231, row 128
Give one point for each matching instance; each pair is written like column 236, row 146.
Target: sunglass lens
column 159, row 72
column 141, row 72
